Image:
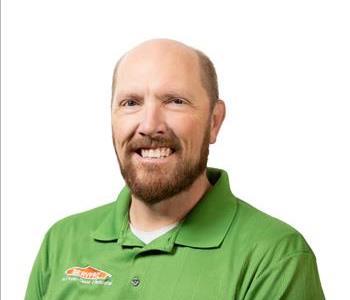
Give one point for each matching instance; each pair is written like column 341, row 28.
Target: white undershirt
column 148, row 236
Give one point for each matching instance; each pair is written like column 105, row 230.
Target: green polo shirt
column 224, row 249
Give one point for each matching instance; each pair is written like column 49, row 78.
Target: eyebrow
column 172, row 94
column 126, row 95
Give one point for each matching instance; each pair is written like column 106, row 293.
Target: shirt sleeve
column 294, row 277
column 40, row 274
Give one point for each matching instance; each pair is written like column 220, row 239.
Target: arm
column 40, row 274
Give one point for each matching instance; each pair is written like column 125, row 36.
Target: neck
column 150, row 217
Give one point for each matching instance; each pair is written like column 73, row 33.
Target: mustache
column 154, row 142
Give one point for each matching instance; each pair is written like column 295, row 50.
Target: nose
column 152, row 120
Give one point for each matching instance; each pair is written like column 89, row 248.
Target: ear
column 216, row 119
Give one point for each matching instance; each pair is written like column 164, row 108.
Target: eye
column 128, row 102
column 177, row 101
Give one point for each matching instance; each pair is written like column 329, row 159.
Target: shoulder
column 82, row 223
column 257, row 230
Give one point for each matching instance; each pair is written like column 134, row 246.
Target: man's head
column 165, row 113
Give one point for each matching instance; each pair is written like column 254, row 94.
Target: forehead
column 159, row 67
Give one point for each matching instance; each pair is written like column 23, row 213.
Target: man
column 176, row 231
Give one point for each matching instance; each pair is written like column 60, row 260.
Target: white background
column 284, row 72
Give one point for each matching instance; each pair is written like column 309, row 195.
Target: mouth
column 155, row 153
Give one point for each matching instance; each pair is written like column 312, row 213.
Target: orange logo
column 88, row 275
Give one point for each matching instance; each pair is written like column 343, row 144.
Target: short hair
column 209, row 77
column 207, row 72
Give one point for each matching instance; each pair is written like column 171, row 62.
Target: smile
column 155, row 153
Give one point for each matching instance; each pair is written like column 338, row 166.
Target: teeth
column 156, row 153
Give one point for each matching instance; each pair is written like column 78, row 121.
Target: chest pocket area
column 195, row 276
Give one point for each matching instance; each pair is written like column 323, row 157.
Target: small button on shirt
column 135, row 281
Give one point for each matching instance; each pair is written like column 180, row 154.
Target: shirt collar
column 208, row 222
column 205, row 226
column 114, row 222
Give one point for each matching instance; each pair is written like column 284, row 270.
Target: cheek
column 120, row 131
column 185, row 121
column 190, row 131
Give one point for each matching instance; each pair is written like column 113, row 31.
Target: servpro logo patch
column 88, row 275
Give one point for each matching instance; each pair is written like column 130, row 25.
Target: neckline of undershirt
column 148, row 236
